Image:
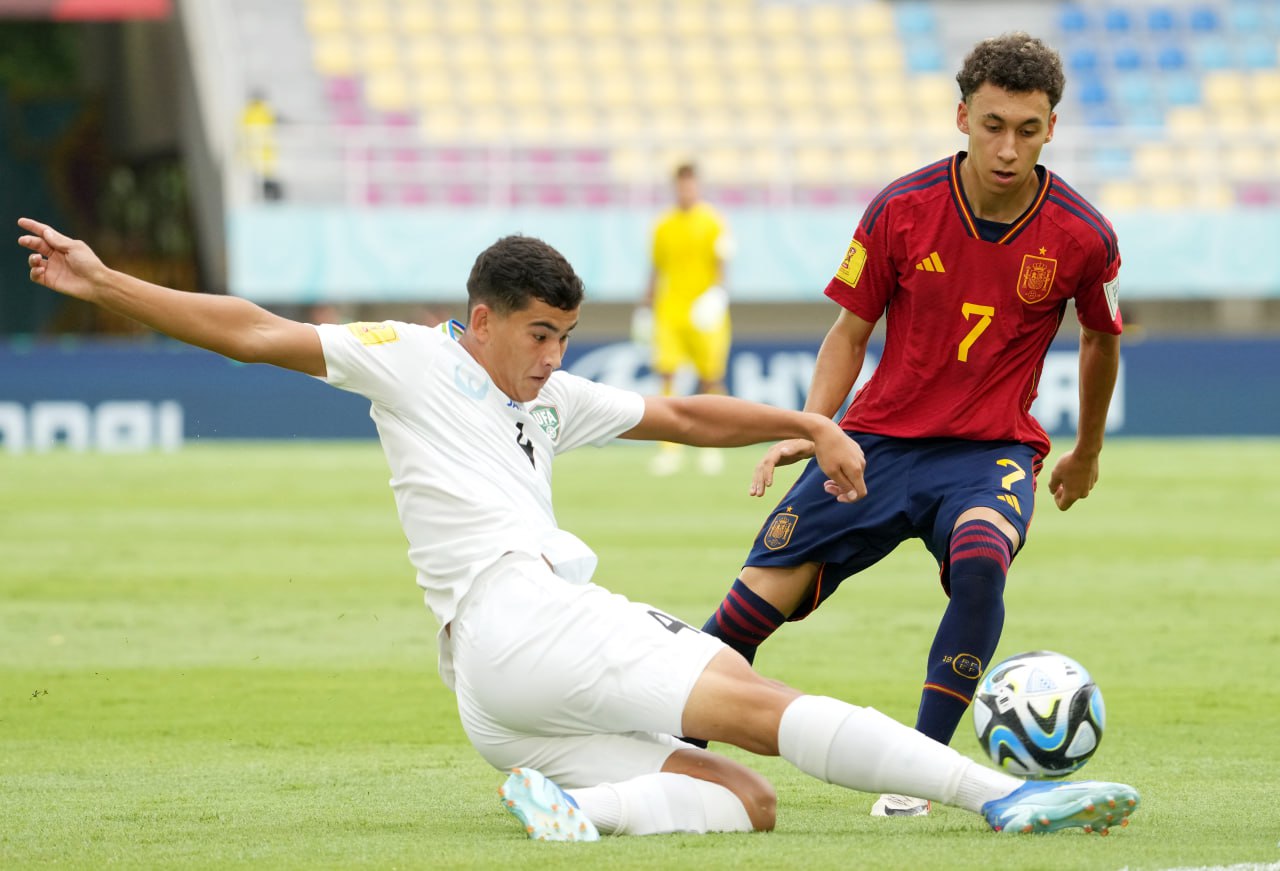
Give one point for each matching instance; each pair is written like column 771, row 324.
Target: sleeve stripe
column 1100, row 226
column 922, row 178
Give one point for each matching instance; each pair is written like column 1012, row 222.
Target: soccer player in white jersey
column 577, row 689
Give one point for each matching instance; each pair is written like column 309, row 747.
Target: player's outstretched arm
column 839, row 362
column 228, row 325
column 1076, row 471
column 724, row 421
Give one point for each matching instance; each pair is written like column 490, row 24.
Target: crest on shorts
column 778, row 535
column 548, row 420
column 1036, row 278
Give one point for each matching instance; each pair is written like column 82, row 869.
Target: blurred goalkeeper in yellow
column 685, row 311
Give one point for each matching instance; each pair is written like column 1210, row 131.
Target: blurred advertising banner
column 85, row 10
column 157, row 395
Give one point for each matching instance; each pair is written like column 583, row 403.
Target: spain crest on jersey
column 778, row 535
column 1036, row 278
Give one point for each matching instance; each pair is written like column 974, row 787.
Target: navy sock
column 970, row 627
column 744, row 620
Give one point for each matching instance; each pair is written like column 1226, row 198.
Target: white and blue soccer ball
column 1039, row 714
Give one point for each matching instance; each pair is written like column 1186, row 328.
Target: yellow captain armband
column 373, row 333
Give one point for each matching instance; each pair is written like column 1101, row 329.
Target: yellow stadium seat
column 829, row 19
column 1264, row 89
column 1247, row 161
column 689, row 21
column 1186, row 121
column 873, row 20
column 632, row 165
column 568, row 92
column 1224, row 89
column 595, row 20
column 715, row 125
column 325, row 17
column 370, row 16
column 1214, row 195
column 532, row 124
column 424, row 55
column 551, row 20
column 1154, row 161
column 1238, row 120
column 1120, row 196
column 835, row 61
column 763, row 163
column 704, row 92
column 418, row 19
column 387, row 91
column 881, row 57
column 643, row 22
column 333, row 55
column 434, row 89
column 720, row 163
column 478, row 90
column 776, row 20
column 733, row 23
column 440, row 124
column 578, row 127
column 486, row 125
column 862, row 166
column 1168, row 195
column 462, row 19
column 934, row 93
column 507, row 19
column 813, row 164
column 380, row 53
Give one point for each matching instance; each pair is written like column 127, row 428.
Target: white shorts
column 580, row 683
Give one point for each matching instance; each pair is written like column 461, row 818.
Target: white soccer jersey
column 470, row 469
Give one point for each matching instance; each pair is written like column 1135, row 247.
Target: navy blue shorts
column 916, row 488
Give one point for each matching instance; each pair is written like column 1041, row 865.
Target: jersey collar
column 966, row 212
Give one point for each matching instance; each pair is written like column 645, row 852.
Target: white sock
column 655, row 804
column 861, row 748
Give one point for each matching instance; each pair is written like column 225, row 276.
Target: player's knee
column 760, row 799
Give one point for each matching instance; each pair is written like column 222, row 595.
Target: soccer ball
column 1039, row 714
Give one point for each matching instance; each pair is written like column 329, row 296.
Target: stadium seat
column 1171, row 58
column 1082, row 59
column 915, row 18
column 1205, row 19
column 1181, row 89
column 1127, row 58
column 1073, row 19
column 1212, row 53
column 1117, row 19
column 1258, row 52
column 1224, row 89
column 1161, row 19
column 924, row 57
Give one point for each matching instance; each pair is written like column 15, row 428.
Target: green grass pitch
column 218, row 659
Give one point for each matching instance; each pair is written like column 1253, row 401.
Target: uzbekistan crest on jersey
column 778, row 535
column 373, row 334
column 851, row 267
column 547, row 417
column 1035, row 280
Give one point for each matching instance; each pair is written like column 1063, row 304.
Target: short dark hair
column 515, row 270
column 687, row 170
column 1017, row 62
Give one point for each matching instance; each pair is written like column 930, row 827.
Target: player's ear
column 962, row 117
column 1053, row 119
column 478, row 321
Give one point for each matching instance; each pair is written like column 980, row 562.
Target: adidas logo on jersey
column 932, row 263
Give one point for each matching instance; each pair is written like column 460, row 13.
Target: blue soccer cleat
column 1042, row 806
column 547, row 811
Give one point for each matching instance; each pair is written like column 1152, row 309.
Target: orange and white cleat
column 547, row 812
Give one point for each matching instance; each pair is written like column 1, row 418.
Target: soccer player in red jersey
column 971, row 261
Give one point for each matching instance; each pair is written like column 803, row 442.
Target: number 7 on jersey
column 985, row 314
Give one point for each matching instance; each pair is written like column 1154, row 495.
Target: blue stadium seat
column 924, row 57
column 1246, row 18
column 1134, row 90
column 1161, row 19
column 1144, row 115
column 1114, row 162
column 915, row 18
column 1181, row 89
column 1212, row 53
column 1073, row 19
column 1082, row 60
column 1171, row 58
column 1127, row 58
column 1258, row 53
column 1093, row 92
column 1118, row 20
column 1102, row 116
column 1205, row 19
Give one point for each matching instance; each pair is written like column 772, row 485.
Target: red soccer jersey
column 969, row 321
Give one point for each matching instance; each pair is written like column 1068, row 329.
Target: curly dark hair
column 1017, row 62
column 515, row 270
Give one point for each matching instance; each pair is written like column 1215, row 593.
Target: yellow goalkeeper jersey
column 685, row 258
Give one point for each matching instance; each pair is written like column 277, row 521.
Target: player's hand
column 841, row 458
column 784, row 453
column 1073, row 478
column 59, row 262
